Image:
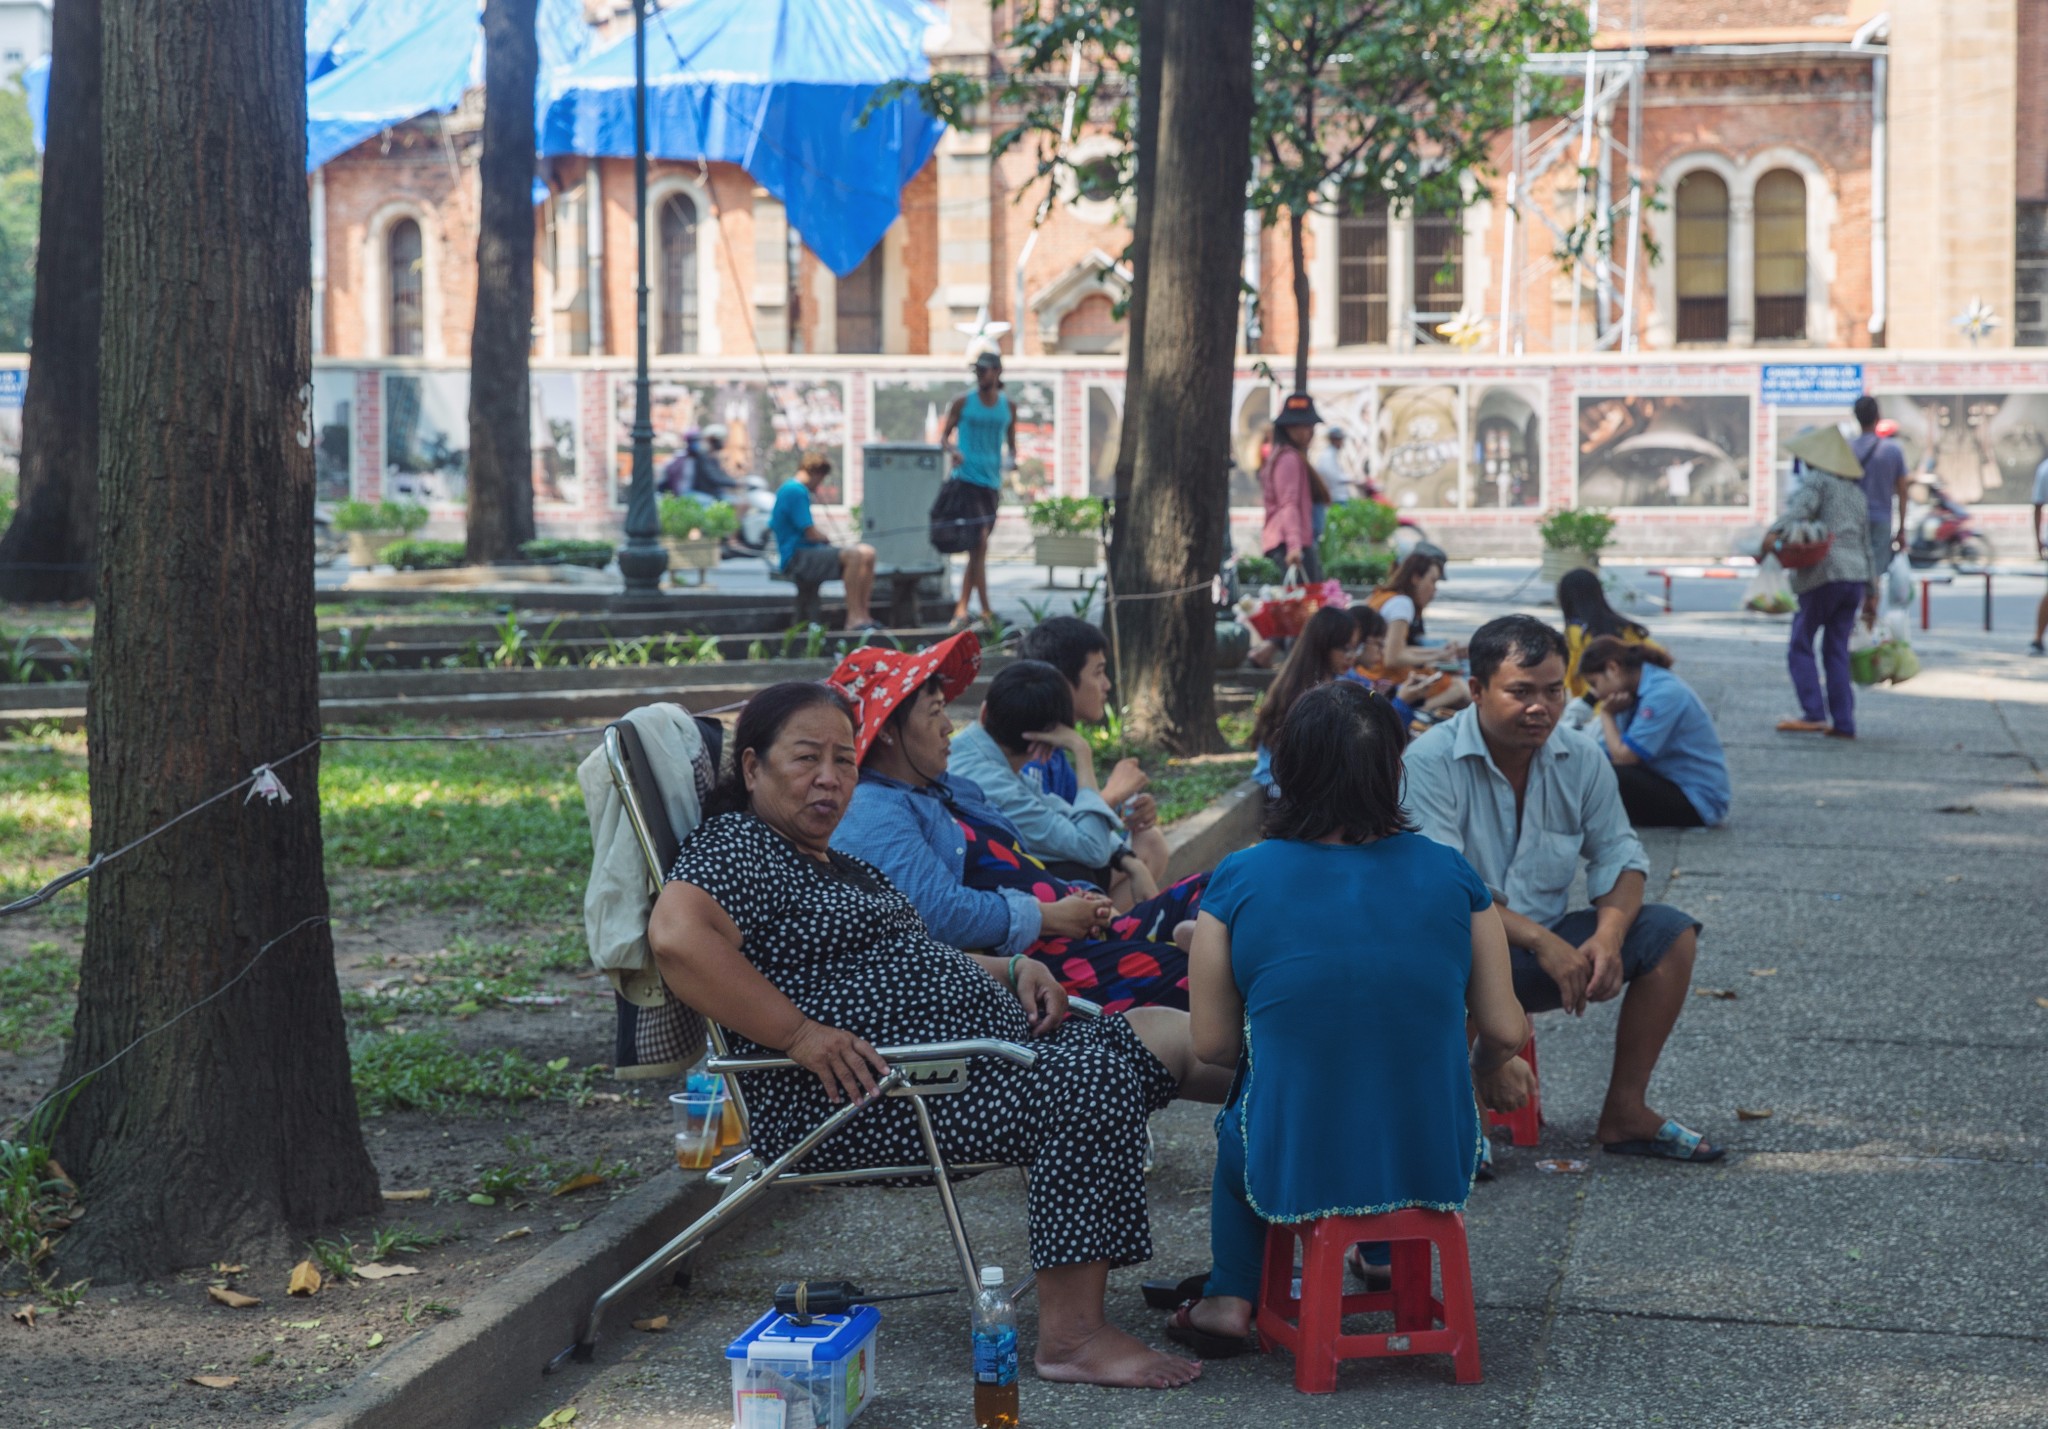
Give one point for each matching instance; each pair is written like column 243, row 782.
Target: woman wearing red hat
column 799, row 949
column 962, row 861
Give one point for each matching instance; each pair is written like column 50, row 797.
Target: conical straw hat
column 1826, row 449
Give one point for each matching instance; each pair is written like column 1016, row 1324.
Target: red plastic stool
column 1310, row 1325
column 1524, row 1125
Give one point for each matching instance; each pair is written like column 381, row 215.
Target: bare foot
column 1110, row 1356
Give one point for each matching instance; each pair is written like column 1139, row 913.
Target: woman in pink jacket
column 1289, row 487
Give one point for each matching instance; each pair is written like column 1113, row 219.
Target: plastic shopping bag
column 1868, row 663
column 1769, row 592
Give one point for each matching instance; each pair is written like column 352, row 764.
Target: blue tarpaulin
column 777, row 87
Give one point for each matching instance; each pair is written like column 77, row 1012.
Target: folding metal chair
column 916, row 1071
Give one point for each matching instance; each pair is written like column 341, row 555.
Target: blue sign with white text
column 13, row 384
column 1812, row 384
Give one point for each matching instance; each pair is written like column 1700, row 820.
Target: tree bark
column 1297, row 255
column 1150, row 13
column 500, row 394
column 234, row 1124
column 47, row 553
column 1179, row 509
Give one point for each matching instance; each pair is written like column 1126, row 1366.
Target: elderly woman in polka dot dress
column 800, row 950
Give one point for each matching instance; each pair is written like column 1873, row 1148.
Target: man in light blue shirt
column 807, row 557
column 1526, row 802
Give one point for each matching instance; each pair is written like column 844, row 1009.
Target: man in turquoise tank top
column 979, row 424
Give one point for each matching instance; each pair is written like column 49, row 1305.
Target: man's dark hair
column 1521, row 638
column 1337, row 764
column 1064, row 642
column 1866, row 411
column 760, row 725
column 1026, row 697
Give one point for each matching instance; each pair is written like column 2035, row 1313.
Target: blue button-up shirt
column 912, row 836
column 1085, row 831
column 1571, row 810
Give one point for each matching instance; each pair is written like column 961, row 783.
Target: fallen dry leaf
column 1763, row 972
column 27, row 1315
column 559, row 1418
column 2041, row 1002
column 1743, row 1113
column 580, row 1182
column 233, row 1299
column 219, row 1269
column 514, row 1234
column 374, row 1271
column 305, row 1279
column 374, row 1341
column 1726, row 994
column 653, row 1325
column 423, row 1194
column 1953, row 878
column 215, row 1381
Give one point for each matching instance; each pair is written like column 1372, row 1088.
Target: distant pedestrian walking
column 1831, row 591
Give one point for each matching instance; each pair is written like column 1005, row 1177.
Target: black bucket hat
column 1298, row 410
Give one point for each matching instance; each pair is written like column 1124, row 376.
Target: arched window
column 406, row 266
column 1702, row 258
column 1781, row 255
column 858, row 318
column 1362, row 276
column 678, row 230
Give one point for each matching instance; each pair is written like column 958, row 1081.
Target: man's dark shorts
column 812, row 565
column 1649, row 938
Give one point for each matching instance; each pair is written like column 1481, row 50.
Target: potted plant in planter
column 1066, row 531
column 691, row 528
column 1573, row 540
column 373, row 527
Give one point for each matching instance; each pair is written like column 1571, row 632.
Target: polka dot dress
column 850, row 951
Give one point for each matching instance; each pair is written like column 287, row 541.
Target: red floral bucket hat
column 879, row 680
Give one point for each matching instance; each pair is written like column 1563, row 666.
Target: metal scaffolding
column 1575, row 223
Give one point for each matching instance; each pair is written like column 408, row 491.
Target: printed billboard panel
column 334, row 444
column 769, row 426
column 13, row 387
column 1664, row 450
column 426, row 436
column 1418, row 443
column 913, row 409
column 557, row 481
column 1104, row 403
column 1985, row 446
column 1503, row 447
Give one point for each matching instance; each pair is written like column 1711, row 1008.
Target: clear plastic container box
column 815, row 1376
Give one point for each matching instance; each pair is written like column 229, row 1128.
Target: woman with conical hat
column 1831, row 592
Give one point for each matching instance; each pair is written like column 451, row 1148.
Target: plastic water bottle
column 995, row 1354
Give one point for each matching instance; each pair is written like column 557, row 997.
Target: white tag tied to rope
column 269, row 786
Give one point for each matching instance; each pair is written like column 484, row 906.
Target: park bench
column 1742, row 568
column 902, row 583
column 916, row 1071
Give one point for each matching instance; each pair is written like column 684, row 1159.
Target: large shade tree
column 500, row 394
column 47, row 552
column 220, row 1114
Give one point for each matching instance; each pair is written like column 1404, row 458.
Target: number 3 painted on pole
column 306, row 415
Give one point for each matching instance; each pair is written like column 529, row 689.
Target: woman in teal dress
column 1334, row 966
column 979, row 424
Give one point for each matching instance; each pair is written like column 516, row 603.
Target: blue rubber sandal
column 1672, row 1143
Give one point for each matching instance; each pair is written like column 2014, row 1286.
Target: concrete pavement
column 1871, row 1254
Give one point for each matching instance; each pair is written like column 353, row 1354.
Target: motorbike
column 756, row 504
column 1939, row 528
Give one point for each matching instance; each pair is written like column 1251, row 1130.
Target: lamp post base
column 642, row 563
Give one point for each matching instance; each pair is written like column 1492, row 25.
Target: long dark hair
column 1610, row 650
column 1308, row 665
column 1408, row 575
column 760, row 725
column 1337, row 763
column 1582, row 602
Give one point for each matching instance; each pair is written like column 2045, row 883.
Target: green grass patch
column 463, row 978
column 45, row 819
column 36, row 996
column 426, row 1071
column 1184, row 789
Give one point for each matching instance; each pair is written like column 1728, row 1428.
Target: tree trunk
column 1150, row 14
column 500, row 430
column 235, row 1124
column 1297, row 255
column 47, row 553
column 1179, row 509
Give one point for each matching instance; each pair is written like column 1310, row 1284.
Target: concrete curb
column 1226, row 826
column 473, row 1369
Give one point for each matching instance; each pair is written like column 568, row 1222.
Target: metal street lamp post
column 643, row 558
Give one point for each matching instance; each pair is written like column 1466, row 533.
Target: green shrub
column 1585, row 531
column 426, row 555
column 406, row 516
column 1357, row 526
column 1368, row 569
column 594, row 554
column 1065, row 515
column 1257, row 570
column 685, row 518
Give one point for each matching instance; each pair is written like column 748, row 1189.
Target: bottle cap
column 991, row 1275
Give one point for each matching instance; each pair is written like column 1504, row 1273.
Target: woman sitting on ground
column 1660, row 738
column 1582, row 605
column 1420, row 700
column 1295, row 991
column 1325, row 649
column 805, row 952
column 963, row 864
column 1409, row 652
